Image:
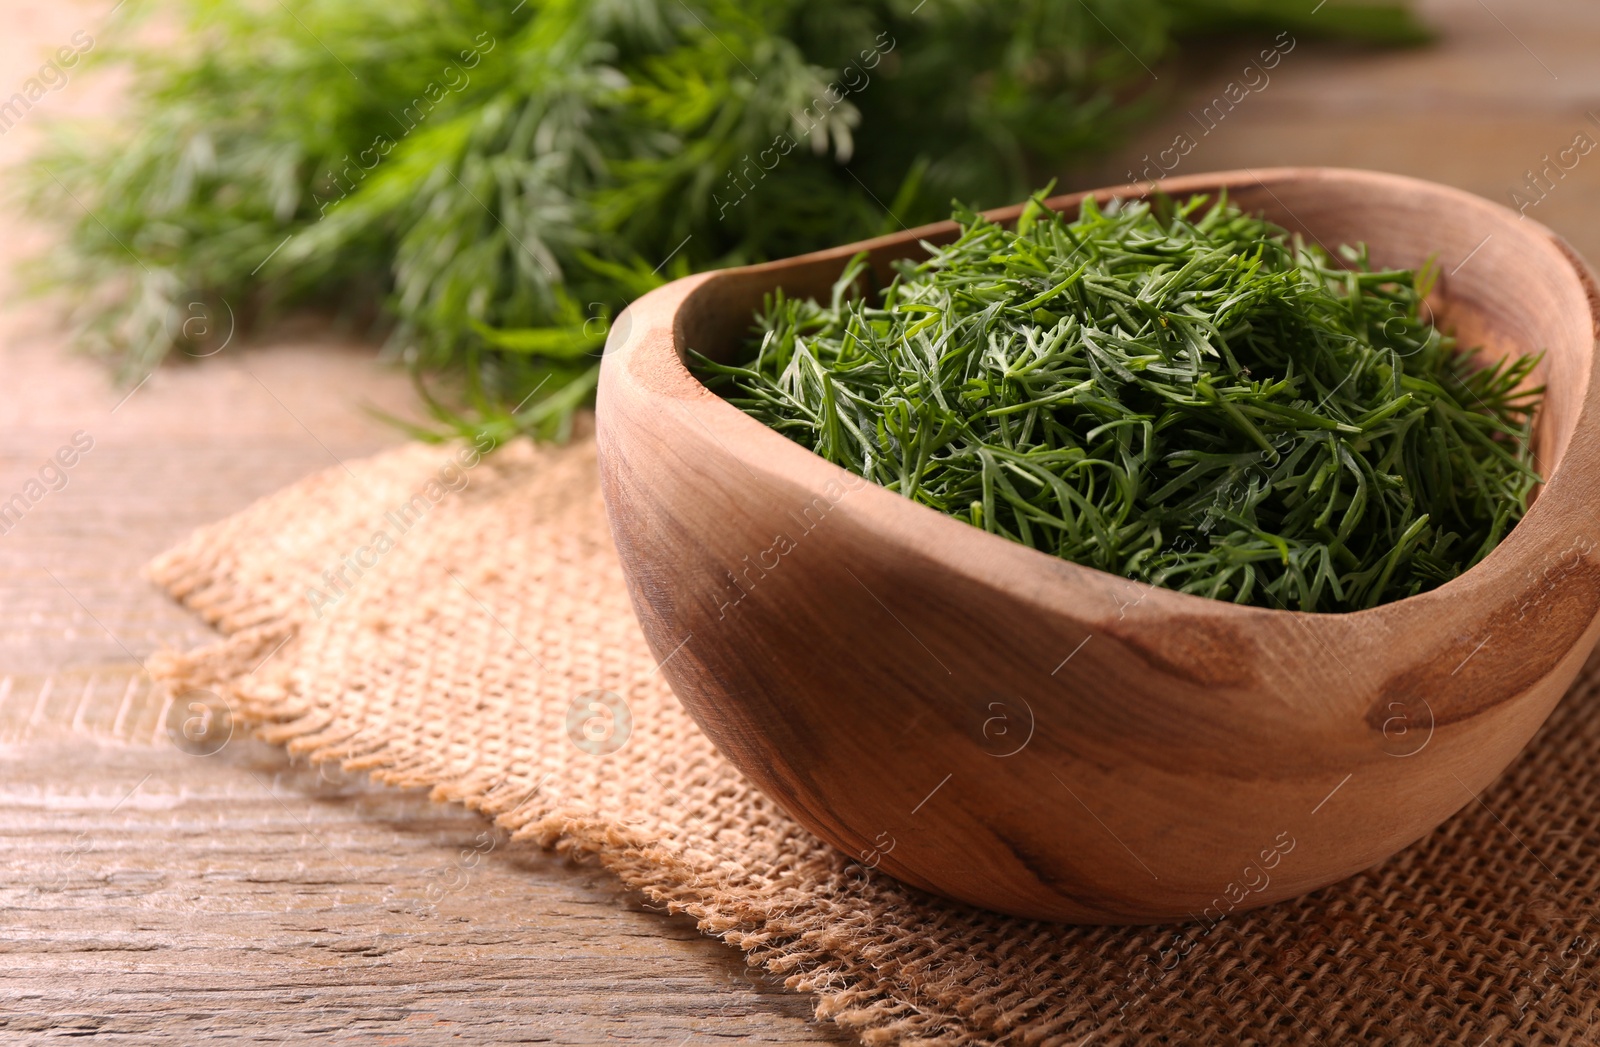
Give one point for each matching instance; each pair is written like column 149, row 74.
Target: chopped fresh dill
column 1175, row 392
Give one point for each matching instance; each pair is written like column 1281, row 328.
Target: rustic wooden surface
column 152, row 896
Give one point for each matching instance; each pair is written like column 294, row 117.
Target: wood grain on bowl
column 1011, row 730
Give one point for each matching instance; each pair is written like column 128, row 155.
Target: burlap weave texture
column 484, row 646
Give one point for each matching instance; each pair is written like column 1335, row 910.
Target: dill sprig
column 489, row 182
column 1175, row 392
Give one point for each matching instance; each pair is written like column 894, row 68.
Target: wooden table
column 152, row 896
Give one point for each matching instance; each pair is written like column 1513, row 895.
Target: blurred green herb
column 1173, row 392
column 491, row 182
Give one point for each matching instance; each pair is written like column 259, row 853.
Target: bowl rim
column 652, row 332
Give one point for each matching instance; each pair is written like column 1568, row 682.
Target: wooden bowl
column 1001, row 727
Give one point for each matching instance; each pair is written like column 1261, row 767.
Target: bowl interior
column 1506, row 285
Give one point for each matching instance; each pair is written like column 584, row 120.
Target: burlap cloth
column 467, row 657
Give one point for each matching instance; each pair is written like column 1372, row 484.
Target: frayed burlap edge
column 246, row 668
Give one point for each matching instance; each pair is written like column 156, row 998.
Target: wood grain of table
column 153, row 896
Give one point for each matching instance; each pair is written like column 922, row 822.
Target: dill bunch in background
column 489, row 183
column 1173, row 392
